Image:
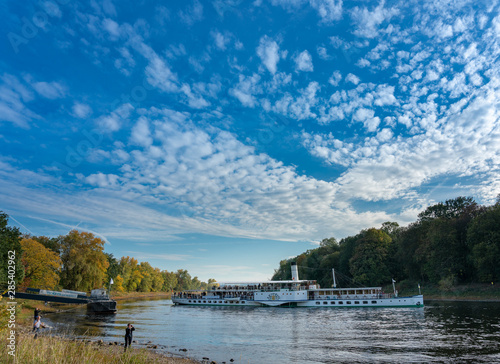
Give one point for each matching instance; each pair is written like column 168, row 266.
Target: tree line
column 77, row 261
column 452, row 242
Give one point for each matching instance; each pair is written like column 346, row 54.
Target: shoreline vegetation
column 123, row 296
column 63, row 349
column 66, row 348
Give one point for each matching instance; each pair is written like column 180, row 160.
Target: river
column 442, row 331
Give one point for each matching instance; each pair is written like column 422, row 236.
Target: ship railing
column 354, row 297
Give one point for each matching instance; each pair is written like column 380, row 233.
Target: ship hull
column 412, row 301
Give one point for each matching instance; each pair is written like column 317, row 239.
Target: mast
column 334, row 282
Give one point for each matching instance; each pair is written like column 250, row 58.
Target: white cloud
column 114, row 121
column 246, row 89
column 323, row 53
column 385, row 168
column 192, row 14
column 328, row 10
column 303, row 62
column 50, row 90
column 367, row 117
column 81, row 110
column 352, row 78
column 268, row 52
column 299, row 108
column 160, row 75
column 102, row 180
column 141, row 135
column 195, row 101
column 221, row 40
column 112, row 27
column 368, row 22
column 384, row 95
column 51, row 8
column 13, row 98
column 335, row 78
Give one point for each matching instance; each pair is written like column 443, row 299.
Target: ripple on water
column 439, row 332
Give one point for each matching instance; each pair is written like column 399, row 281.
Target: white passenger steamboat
column 294, row 293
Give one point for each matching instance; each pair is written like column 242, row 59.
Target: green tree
column 147, row 273
column 368, row 265
column 114, row 268
column 449, row 209
column 169, row 281
column 50, row 243
column 184, row 281
column 10, row 247
column 84, row 262
column 157, row 280
column 483, row 239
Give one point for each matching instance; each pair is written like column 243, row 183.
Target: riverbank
column 465, row 292
column 118, row 296
column 65, row 350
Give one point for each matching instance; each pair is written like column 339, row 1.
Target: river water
column 442, row 331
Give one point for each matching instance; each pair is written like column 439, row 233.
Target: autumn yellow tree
column 118, row 284
column 41, row 265
column 84, row 262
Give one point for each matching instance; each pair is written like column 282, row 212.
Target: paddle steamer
column 294, row 293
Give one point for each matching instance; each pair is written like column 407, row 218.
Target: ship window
column 220, row 301
column 341, row 303
column 356, row 302
column 348, row 302
column 209, row 301
column 325, row 303
column 317, row 303
column 365, row 302
column 199, row 301
column 189, row 301
column 225, row 301
column 242, row 301
column 332, row 303
column 374, row 302
column 204, row 301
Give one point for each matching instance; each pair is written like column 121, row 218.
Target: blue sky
column 224, row 136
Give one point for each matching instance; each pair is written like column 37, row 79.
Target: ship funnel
column 295, row 271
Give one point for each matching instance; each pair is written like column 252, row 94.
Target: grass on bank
column 63, row 350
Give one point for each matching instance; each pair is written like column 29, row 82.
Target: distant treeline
column 77, row 261
column 451, row 243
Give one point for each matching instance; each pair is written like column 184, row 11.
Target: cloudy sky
column 224, row 136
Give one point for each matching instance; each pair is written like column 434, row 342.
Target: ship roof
column 264, row 282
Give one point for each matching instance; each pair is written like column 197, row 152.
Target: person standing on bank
column 37, row 313
column 128, row 335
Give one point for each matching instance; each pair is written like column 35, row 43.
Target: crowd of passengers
column 220, row 295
